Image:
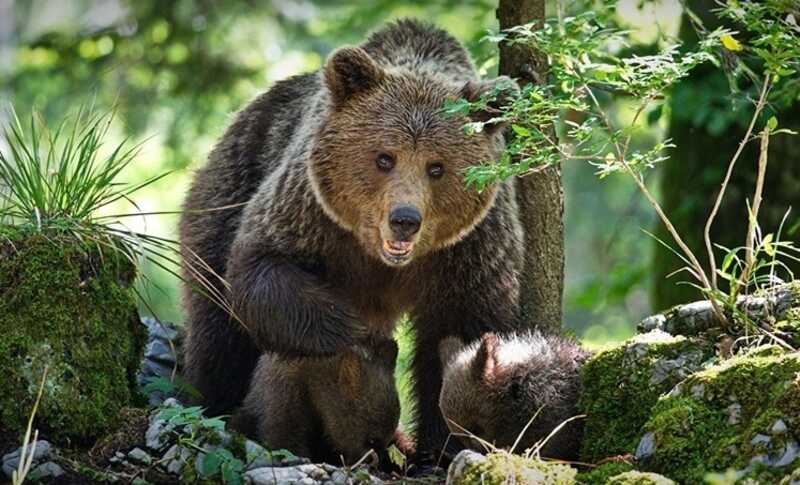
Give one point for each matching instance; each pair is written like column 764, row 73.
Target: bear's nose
column 404, row 221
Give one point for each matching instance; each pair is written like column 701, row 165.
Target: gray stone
column 654, row 322
column 681, row 366
column 461, row 463
column 140, row 456
column 157, row 435
column 43, row 452
column 176, row 458
column 646, row 446
column 734, row 413
column 779, row 427
column 790, row 452
column 257, row 456
column 275, row 476
column 760, row 439
column 47, row 469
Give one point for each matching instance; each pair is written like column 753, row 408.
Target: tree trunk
column 706, row 132
column 540, row 196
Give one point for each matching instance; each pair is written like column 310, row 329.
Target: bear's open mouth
column 397, row 251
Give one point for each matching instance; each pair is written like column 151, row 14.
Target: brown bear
column 493, row 388
column 333, row 409
column 334, row 204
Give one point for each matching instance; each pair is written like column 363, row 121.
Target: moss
column 622, row 384
column 639, row 478
column 740, row 414
column 68, row 307
column 505, row 468
column 601, row 474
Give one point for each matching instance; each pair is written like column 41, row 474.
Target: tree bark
column 540, row 196
column 707, row 132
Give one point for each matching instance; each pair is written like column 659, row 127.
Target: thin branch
column 707, row 231
column 753, row 219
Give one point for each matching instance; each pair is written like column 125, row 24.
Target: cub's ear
column 350, row 70
column 501, row 90
column 386, row 352
column 448, row 348
column 486, row 367
column 350, row 372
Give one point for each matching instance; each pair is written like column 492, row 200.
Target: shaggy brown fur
column 494, row 387
column 324, row 408
column 355, row 212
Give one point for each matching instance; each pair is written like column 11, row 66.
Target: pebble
column 140, row 456
column 646, row 447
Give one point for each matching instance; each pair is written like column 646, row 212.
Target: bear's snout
column 404, row 222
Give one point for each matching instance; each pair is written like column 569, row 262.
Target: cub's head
column 388, row 165
column 514, row 389
column 357, row 399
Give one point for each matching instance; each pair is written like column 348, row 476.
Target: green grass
column 60, row 179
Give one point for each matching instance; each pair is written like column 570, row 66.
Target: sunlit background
column 175, row 72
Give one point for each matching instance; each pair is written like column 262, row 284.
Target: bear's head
column 388, row 165
column 357, row 400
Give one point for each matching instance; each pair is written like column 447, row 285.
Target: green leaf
column 210, row 464
column 161, row 384
column 772, row 123
column 396, row 456
column 766, row 243
column 521, row 130
column 726, row 263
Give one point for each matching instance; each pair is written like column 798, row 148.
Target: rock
column 646, row 446
column 47, row 469
column 157, row 435
column 159, row 357
column 698, row 317
column 140, row 456
column 471, row 468
column 276, row 476
column 639, row 478
column 176, row 458
column 622, row 384
column 43, row 452
column 689, row 432
column 734, row 413
column 779, row 427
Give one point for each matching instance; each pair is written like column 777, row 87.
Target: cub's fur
column 325, row 408
column 494, row 387
column 335, row 203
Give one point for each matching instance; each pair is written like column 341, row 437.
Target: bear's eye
column 385, row 162
column 436, row 170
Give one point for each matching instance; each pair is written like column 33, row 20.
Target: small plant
column 61, row 179
column 192, row 430
column 584, row 66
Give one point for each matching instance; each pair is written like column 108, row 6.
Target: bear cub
column 329, row 409
column 492, row 389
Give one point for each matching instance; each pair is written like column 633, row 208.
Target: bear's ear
column 350, row 372
column 386, row 352
column 350, row 70
column 486, row 367
column 502, row 89
column 448, row 348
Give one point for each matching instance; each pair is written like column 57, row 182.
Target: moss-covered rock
column 742, row 414
column 622, row 384
column 601, row 474
column 69, row 307
column 501, row 468
column 634, row 477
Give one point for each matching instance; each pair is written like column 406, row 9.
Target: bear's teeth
column 398, row 247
